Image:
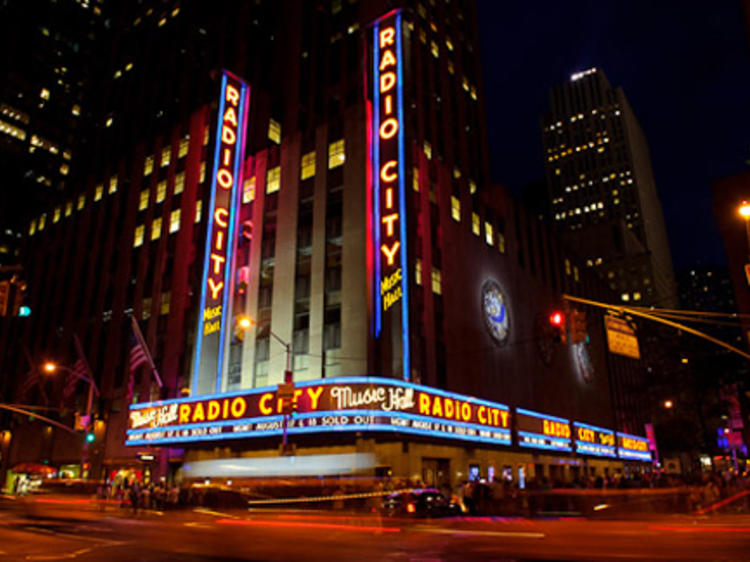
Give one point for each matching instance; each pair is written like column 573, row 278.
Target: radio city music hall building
column 413, row 295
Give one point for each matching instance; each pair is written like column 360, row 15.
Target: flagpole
column 144, row 347
column 82, row 357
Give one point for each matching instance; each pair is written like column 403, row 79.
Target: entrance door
column 436, row 473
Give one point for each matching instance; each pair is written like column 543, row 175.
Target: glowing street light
column 744, row 210
column 244, row 322
column 49, row 367
column 668, row 404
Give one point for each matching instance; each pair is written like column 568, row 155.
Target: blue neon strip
column 627, row 454
column 209, row 232
column 405, row 274
column 559, row 440
column 329, row 381
column 553, row 445
column 596, row 450
column 239, row 151
column 376, row 178
column 541, row 416
column 594, row 428
column 311, row 415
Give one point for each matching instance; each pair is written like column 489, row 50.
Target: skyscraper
column 602, row 193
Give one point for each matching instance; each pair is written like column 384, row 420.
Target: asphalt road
column 76, row 532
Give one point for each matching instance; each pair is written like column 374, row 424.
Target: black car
column 423, row 502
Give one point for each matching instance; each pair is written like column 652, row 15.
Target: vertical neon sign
column 388, row 179
column 221, row 233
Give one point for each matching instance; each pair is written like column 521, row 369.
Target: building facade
column 602, row 193
column 334, row 221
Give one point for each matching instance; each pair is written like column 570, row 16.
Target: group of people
column 132, row 494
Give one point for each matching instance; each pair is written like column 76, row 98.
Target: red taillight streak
column 701, row 529
column 330, row 526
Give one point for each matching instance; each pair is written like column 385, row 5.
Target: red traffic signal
column 557, row 322
column 557, row 319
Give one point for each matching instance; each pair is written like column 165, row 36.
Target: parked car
column 424, row 502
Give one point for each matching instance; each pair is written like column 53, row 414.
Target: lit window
column 174, row 221
column 162, row 21
column 427, row 148
column 449, row 43
column 273, row 180
column 575, row 273
column 274, row 131
column 109, row 121
column 475, row 224
column 98, row 192
column 44, row 94
column 418, row 271
column 203, row 172
column 175, row 12
column 437, row 281
column 179, row 183
column 248, row 190
column 64, row 169
column 206, row 135
column 148, row 165
column 473, row 93
column 434, row 49
column 68, row 208
column 81, row 202
column 129, row 67
column 415, row 179
column 465, row 83
column 637, row 295
column 198, row 209
column 166, row 297
column 184, row 145
column 156, row 228
column 307, row 169
column 138, row 238
column 567, row 266
column 472, row 187
column 489, row 235
column 112, row 185
column 161, row 191
column 166, row 154
column 32, row 227
column 146, row 308
column 456, row 172
column 336, row 154
column 501, row 242
column 76, row 110
column 143, row 201
column 455, row 208
column 451, row 68
column 42, row 220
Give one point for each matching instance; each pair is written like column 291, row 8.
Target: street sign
column 621, row 338
column 285, row 391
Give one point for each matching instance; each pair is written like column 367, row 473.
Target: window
column 98, row 192
column 179, row 183
column 427, row 148
column 489, row 236
column 336, row 154
column 637, row 295
column 203, row 172
column 161, row 191
column 273, row 180
column 174, row 221
column 42, row 220
column 32, row 227
column 475, row 228
column 166, row 297
column 274, row 131
column 307, row 169
column 198, row 210
column 184, row 145
column 455, row 208
column 415, row 179
column 625, row 297
column 112, row 185
column 248, row 190
column 501, row 242
column 434, row 49
column 81, row 202
column 567, row 266
column 68, row 208
column 437, row 281
column 472, row 187
column 143, row 201
column 418, row 271
column 166, row 153
column 56, row 215
column 148, row 165
column 138, row 238
column 156, row 228
column 146, row 309
column 206, row 135
column 456, row 172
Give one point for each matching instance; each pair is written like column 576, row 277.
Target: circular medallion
column 495, row 312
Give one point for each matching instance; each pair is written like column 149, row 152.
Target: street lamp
column 668, row 404
column 744, row 211
column 49, row 367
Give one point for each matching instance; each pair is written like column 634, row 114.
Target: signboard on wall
column 621, row 338
column 633, row 447
column 340, row 404
column 541, row 431
column 218, row 262
column 592, row 440
column 388, row 196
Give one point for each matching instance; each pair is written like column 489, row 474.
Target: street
column 78, row 532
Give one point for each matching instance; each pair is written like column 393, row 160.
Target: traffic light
column 578, row 332
column 294, row 409
column 90, row 437
column 557, row 322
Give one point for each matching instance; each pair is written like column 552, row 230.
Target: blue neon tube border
column 402, row 203
column 540, row 415
column 209, row 232
column 376, row 177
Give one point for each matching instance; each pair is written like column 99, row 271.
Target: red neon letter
column 232, row 96
column 386, row 37
column 385, row 171
column 390, row 252
column 388, row 128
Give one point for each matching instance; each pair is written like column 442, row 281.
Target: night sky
column 684, row 66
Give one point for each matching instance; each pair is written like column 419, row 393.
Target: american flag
column 26, row 387
column 79, row 371
column 137, row 358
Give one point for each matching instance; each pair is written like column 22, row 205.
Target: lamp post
column 744, row 211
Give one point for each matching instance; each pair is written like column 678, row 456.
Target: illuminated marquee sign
column 341, row 404
column 632, row 447
column 592, row 440
column 391, row 284
column 216, row 288
column 540, row 431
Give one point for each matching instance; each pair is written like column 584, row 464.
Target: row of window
column 156, row 225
